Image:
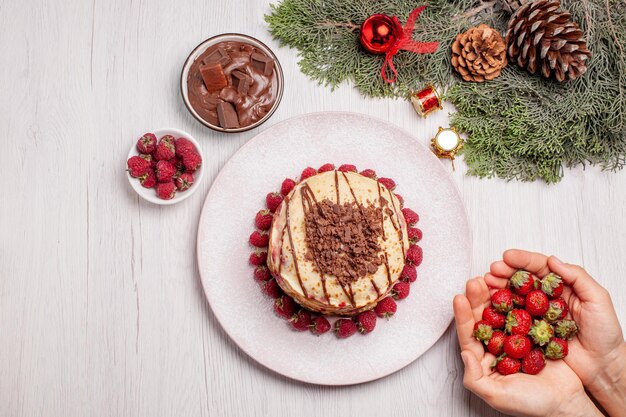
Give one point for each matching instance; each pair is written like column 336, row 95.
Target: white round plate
column 283, row 151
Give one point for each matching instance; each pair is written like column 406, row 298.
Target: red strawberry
column 263, row 220
column 165, row 171
column 518, row 322
column 273, row 200
column 502, row 301
column 285, row 307
column 401, row 290
column 345, row 328
column 165, row 149
column 147, row 143
column 537, row 303
column 307, row 172
column 366, row 321
column 183, row 146
column 184, row 181
column 414, row 255
column 566, row 329
column 552, row 285
column 258, row 258
column 287, row 186
column 507, row 366
column 137, row 166
column 369, row 173
column 400, row 200
column 258, row 239
column 326, row 168
column 320, row 325
column 301, row 321
column 166, row 190
column 414, row 234
column 495, row 319
column 522, row 282
column 271, row 288
column 517, row 346
column 483, row 331
column 388, row 183
column 386, row 307
column 495, row 345
column 558, row 310
column 410, row 216
column 347, row 168
column 557, row 348
column 518, row 300
column 261, row 273
column 540, row 332
column 409, row 273
column 192, row 161
column 149, row 179
column 534, row 362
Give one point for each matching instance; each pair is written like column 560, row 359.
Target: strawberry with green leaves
column 502, row 301
column 556, row 348
column 518, row 322
column 522, row 282
column 552, row 285
column 541, row 332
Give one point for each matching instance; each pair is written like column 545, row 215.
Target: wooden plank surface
column 101, row 309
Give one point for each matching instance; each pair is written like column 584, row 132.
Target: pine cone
column 542, row 37
column 512, row 5
column 479, row 54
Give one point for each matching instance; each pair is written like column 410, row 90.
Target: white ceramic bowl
column 149, row 194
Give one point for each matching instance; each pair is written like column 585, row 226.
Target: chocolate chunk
column 219, row 56
column 227, row 115
column 213, row 77
column 241, row 82
column 263, row 63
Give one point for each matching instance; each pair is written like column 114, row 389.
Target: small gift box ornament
column 447, row 143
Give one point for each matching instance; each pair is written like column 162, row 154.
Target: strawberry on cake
column 338, row 242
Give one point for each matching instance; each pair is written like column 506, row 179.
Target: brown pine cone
column 479, row 54
column 541, row 37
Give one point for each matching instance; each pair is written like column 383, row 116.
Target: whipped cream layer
column 297, row 274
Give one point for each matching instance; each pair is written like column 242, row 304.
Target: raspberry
column 369, row 173
column 258, row 239
column 414, row 255
column 401, row 290
column 326, row 168
column 137, row 166
column 261, row 273
column 258, row 258
column 165, row 171
column 307, row 173
column 271, row 288
column 495, row 319
column 183, row 146
column 184, row 181
column 284, row 306
column 273, row 200
column 400, row 200
column 386, row 308
column 347, row 168
column 147, row 143
column 149, row 179
column 263, row 220
column 495, row 345
column 287, row 186
column 414, row 234
column 166, row 190
column 320, row 325
column 345, row 328
column 410, row 216
column 192, row 161
column 165, row 149
column 366, row 321
column 388, row 183
column 409, row 273
column 301, row 321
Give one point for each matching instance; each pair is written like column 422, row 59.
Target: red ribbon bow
column 405, row 41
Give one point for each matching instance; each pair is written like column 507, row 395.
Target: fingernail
column 556, row 260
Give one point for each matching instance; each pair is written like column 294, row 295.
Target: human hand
column 598, row 352
column 555, row 391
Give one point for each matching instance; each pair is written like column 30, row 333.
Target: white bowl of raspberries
column 165, row 166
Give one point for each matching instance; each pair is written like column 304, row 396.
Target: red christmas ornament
column 382, row 34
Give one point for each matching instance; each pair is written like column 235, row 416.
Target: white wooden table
column 101, row 308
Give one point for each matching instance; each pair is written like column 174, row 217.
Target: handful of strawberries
column 526, row 324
